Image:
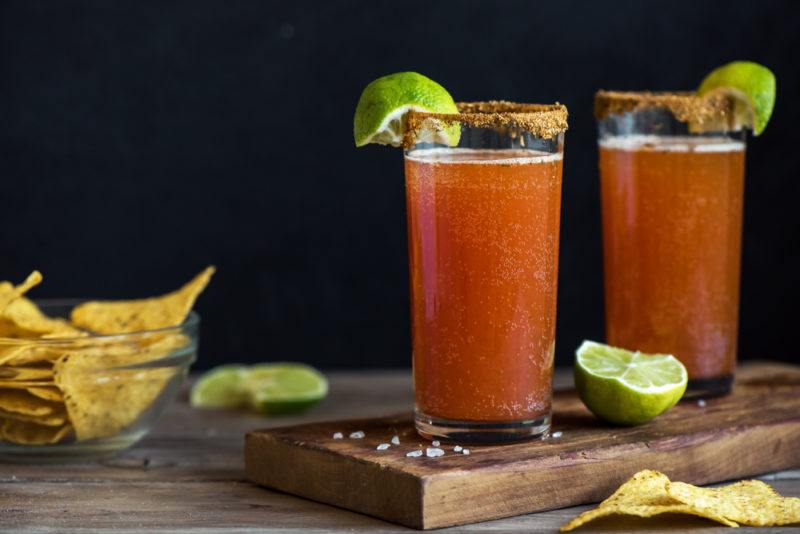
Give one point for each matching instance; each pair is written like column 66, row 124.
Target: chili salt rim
column 545, row 121
column 713, row 107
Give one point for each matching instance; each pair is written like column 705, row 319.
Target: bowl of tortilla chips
column 89, row 378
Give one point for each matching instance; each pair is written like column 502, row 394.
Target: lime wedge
column 753, row 88
column 284, row 388
column 220, row 388
column 381, row 111
column 627, row 388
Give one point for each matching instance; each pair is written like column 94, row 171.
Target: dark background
column 142, row 140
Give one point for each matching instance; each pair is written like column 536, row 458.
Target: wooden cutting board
column 756, row 429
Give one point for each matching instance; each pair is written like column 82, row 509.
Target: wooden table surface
column 186, row 476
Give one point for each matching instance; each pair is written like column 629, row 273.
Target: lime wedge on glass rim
column 381, row 111
column 753, row 88
column 284, row 388
column 624, row 387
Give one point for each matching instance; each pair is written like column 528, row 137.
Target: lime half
column 627, row 388
column 381, row 111
column 220, row 388
column 284, row 388
column 752, row 86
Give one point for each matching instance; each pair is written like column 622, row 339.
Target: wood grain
column 754, row 430
column 187, row 476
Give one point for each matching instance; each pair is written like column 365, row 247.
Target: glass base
column 76, row 451
column 704, row 388
column 481, row 431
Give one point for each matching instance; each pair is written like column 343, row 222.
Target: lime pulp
column 384, row 104
column 753, row 88
column 624, row 387
column 219, row 388
column 284, row 388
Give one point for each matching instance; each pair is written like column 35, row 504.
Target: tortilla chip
column 10, row 352
column 57, row 418
column 27, row 355
column 23, row 384
column 644, row 495
column 52, row 394
column 26, row 373
column 125, row 316
column 749, row 502
column 9, row 330
column 23, row 402
column 166, row 344
column 92, row 387
column 23, row 319
column 106, row 389
column 9, row 293
column 25, row 433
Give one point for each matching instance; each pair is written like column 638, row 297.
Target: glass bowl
column 88, row 396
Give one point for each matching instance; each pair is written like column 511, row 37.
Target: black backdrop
column 141, row 140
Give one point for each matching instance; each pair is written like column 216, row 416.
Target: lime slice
column 627, row 388
column 753, row 88
column 220, row 388
column 381, row 111
column 284, row 388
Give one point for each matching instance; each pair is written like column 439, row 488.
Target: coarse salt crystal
column 338, row 435
column 701, row 403
column 414, row 454
column 357, row 435
column 465, row 451
column 457, row 448
column 557, row 434
column 435, row 443
column 395, row 440
column 433, row 452
column 383, row 446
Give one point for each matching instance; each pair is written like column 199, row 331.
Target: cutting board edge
column 750, row 439
column 438, row 509
column 353, row 471
column 435, row 515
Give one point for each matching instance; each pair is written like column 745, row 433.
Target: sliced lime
column 220, row 388
column 381, row 111
column 753, row 88
column 627, row 388
column 284, row 388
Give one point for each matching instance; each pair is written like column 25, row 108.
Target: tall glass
column 483, row 225
column 672, row 184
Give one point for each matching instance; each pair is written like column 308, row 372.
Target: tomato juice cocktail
column 671, row 203
column 483, row 237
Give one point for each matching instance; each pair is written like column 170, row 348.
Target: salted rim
column 541, row 120
column 713, row 107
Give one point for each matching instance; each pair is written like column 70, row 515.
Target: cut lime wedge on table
column 271, row 388
column 277, row 389
column 753, row 87
column 220, row 388
column 624, row 387
column 381, row 111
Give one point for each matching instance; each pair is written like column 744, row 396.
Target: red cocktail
column 672, row 230
column 483, row 223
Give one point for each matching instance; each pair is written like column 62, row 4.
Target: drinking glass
column 671, row 184
column 483, row 230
